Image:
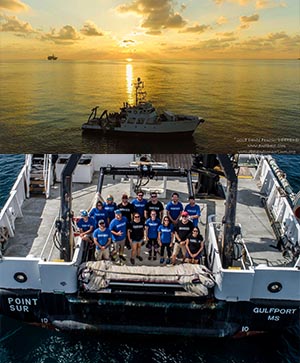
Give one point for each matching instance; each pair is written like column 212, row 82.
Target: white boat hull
column 166, row 127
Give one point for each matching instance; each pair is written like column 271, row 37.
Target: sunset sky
column 149, row 29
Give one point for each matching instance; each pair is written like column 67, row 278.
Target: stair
column 37, row 183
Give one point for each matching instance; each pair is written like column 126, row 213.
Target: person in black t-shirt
column 154, row 204
column 182, row 230
column 126, row 207
column 127, row 210
column 135, row 234
column 195, row 246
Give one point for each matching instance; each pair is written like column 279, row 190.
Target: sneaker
column 139, row 258
column 162, row 260
column 154, row 258
column 132, row 261
column 168, row 261
column 122, row 257
column 149, row 258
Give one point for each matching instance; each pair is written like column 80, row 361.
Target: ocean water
column 249, row 105
column 21, row 343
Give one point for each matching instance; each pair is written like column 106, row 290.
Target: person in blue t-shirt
column 110, row 206
column 139, row 204
column 151, row 232
column 86, row 226
column 99, row 213
column 102, row 240
column 165, row 239
column 174, row 208
column 193, row 210
column 118, row 227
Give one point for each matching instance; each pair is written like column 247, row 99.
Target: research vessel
column 142, row 117
column 248, row 282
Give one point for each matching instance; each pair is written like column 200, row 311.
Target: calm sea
column 249, row 105
column 20, row 343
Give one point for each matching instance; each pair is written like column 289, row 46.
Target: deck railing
column 13, row 206
column 278, row 206
column 47, row 173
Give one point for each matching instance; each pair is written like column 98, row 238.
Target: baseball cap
column 184, row 214
column 84, row 213
column 118, row 211
column 101, row 221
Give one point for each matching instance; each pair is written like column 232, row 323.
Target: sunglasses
column 136, row 216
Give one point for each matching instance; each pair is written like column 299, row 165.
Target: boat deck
column 33, row 237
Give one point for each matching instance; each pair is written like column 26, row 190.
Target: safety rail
column 242, row 254
column 13, row 207
column 278, row 206
column 47, row 173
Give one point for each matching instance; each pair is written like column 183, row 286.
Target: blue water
column 21, row 343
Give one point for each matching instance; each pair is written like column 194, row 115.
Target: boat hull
column 148, row 313
column 164, row 128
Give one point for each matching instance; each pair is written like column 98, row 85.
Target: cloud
column 183, row 7
column 66, row 35
column 272, row 41
column 91, row 29
column 126, row 43
column 239, row 2
column 245, row 20
column 213, row 44
column 259, row 4
column 222, row 20
column 13, row 24
column 156, row 14
column 13, row 5
column 249, row 19
column 228, row 35
column 265, row 4
column 228, row 44
column 196, row 29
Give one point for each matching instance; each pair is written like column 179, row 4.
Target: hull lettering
column 281, row 311
column 21, row 304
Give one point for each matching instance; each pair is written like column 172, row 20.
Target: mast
column 139, row 94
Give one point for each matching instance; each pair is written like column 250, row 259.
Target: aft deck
column 35, row 231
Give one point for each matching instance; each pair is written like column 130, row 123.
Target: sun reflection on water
column 129, row 83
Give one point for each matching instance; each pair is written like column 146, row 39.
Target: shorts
column 177, row 248
column 139, row 241
column 119, row 244
column 102, row 254
column 198, row 257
